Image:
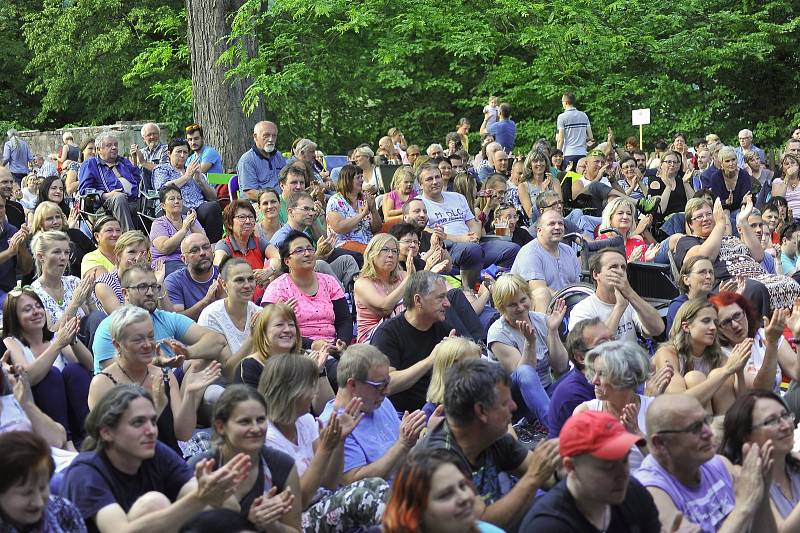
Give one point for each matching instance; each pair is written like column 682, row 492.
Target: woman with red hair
column 771, row 356
column 433, row 493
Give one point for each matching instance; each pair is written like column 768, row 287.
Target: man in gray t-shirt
column 547, row 264
column 574, row 131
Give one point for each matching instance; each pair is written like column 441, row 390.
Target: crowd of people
column 384, row 346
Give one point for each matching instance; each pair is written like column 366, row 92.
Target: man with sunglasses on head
column 380, row 441
column 686, row 477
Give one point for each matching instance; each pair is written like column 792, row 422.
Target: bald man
column 684, row 474
column 193, row 287
column 258, row 168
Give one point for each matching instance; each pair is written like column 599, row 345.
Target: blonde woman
column 63, row 296
column 49, row 217
column 527, row 344
column 379, row 288
column 694, row 353
column 364, row 158
column 131, row 248
column 447, row 353
column 620, row 214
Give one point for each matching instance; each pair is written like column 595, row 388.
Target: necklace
column 141, row 383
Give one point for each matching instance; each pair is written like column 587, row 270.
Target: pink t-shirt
column 314, row 313
column 366, row 317
column 397, row 202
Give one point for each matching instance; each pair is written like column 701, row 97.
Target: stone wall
column 128, row 133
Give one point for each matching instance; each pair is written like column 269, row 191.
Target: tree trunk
column 217, row 102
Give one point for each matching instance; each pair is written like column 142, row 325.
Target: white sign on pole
column 641, row 116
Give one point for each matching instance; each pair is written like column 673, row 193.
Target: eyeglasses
column 702, row 216
column 671, row 162
column 737, row 317
column 387, row 251
column 703, row 273
column 303, row 251
column 245, row 218
column 407, row 242
column 774, row 421
column 694, row 429
column 191, row 127
column 379, row 386
column 554, row 204
column 142, row 288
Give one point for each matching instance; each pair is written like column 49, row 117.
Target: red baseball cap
column 596, row 433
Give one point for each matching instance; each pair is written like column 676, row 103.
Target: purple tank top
column 706, row 505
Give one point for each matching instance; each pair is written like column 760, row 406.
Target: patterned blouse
column 191, row 192
column 58, row 516
column 56, row 309
column 363, row 231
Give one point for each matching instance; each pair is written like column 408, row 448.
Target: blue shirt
column 674, row 305
column 208, row 155
column 575, row 125
column 372, row 437
column 753, row 148
column 569, row 392
column 97, row 174
column 279, row 236
column 166, row 325
column 185, row 291
column 257, row 171
column 18, row 158
column 505, row 133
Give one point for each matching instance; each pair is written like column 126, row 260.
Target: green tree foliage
column 19, row 107
column 82, row 50
column 344, row 71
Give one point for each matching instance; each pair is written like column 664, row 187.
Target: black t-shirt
column 405, row 345
column 504, row 455
column 677, row 198
column 686, row 243
column 91, row 482
column 279, row 464
column 15, row 213
column 249, row 372
column 556, row 512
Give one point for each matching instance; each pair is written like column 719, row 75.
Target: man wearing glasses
column 140, row 288
column 301, row 213
column 685, row 476
column 381, row 441
column 746, row 143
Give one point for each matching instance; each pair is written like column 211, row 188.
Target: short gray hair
column 626, row 363
column 123, row 317
column 421, row 282
column 726, row 150
column 100, row 139
column 435, row 147
column 303, row 144
column 356, row 361
column 149, row 125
